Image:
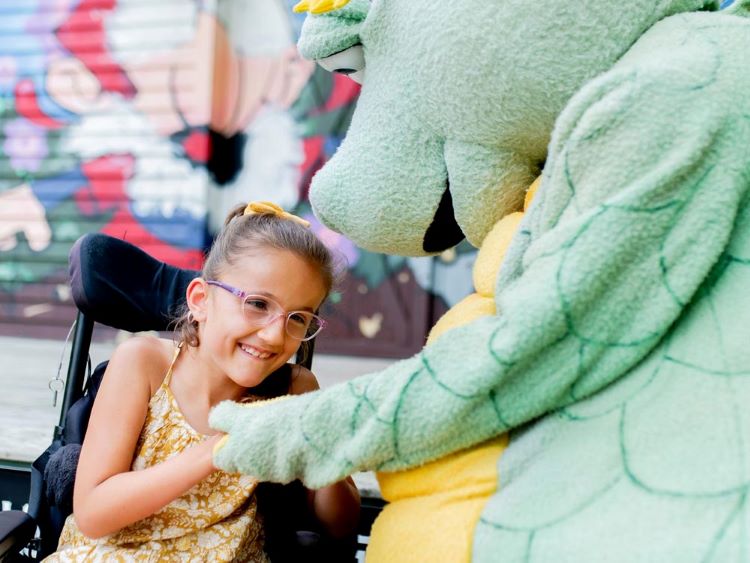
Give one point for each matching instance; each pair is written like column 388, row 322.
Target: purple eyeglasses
column 262, row 311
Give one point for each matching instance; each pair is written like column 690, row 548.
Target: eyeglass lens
column 301, row 325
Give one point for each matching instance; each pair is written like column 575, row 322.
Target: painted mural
column 148, row 121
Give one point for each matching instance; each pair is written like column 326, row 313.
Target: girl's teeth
column 255, row 353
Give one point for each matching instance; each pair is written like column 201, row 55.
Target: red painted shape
column 197, row 146
column 313, row 148
column 27, row 105
column 314, row 159
column 107, row 178
column 344, row 92
column 83, row 35
column 126, row 227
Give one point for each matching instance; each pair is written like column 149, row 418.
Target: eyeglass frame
column 242, row 295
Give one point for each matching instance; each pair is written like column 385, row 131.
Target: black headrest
column 119, row 285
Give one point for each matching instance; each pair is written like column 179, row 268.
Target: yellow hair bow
column 269, row 208
column 319, row 6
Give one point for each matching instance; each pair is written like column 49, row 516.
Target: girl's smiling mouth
column 255, row 352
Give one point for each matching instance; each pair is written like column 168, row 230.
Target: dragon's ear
column 331, row 26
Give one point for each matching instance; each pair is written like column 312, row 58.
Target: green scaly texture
column 620, row 358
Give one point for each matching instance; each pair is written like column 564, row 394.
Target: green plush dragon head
column 457, row 106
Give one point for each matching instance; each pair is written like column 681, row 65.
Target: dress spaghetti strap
column 168, row 377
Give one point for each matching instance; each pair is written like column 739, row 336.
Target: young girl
column 146, row 488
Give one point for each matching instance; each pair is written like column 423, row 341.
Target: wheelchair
column 116, row 284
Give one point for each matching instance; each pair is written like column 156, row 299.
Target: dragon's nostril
column 443, row 232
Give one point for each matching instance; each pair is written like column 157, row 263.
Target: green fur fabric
column 620, row 359
column 333, row 32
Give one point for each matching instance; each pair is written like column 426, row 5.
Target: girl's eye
column 298, row 318
column 256, row 304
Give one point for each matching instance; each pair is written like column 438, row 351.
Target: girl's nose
column 275, row 330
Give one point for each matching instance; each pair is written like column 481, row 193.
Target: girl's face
column 245, row 352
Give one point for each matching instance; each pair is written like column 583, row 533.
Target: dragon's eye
column 350, row 62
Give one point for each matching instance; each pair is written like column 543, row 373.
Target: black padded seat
column 117, row 284
column 16, row 528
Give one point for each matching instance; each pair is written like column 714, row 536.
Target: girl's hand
column 209, row 445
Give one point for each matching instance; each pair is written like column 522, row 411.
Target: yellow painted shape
column 433, row 509
column 492, row 252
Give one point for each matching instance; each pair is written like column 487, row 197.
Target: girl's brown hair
column 243, row 234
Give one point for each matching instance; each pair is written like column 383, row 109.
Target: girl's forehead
column 281, row 274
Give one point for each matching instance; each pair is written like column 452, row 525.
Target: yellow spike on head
column 319, row 6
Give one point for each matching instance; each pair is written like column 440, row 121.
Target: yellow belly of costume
column 433, row 509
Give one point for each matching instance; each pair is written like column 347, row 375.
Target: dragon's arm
column 634, row 211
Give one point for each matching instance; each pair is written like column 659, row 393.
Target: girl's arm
column 335, row 507
column 108, row 495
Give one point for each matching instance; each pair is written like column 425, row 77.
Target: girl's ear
column 197, row 298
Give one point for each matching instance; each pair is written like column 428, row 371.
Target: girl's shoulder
column 303, row 380
column 147, row 356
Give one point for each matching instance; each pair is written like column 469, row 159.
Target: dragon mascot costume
column 590, row 401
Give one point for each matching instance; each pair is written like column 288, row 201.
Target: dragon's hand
column 236, row 452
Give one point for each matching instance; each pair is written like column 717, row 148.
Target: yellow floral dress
column 215, row 521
